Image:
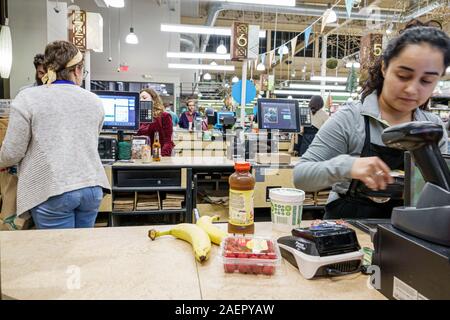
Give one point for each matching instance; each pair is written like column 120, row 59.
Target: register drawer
column 149, row 178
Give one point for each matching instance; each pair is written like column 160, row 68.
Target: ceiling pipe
column 421, row 11
column 187, row 42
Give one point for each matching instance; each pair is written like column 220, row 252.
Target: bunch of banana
column 191, row 233
column 215, row 234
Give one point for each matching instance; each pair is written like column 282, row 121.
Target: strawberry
column 243, row 268
column 229, row 268
column 268, row 270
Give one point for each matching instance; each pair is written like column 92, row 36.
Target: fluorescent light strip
column 200, row 67
column 329, row 79
column 185, row 28
column 315, row 86
column 307, row 93
column 198, row 55
column 286, row 3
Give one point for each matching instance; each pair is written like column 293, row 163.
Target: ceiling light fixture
column 132, row 37
column 198, row 55
column 315, row 86
column 115, row 3
column 193, row 29
column 283, row 50
column 330, row 15
column 200, row 67
column 5, row 50
column 309, row 93
column 260, row 67
column 221, row 49
column 285, row 3
column 329, row 79
column 207, row 76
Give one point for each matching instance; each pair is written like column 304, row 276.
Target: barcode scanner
column 430, row 218
column 421, row 138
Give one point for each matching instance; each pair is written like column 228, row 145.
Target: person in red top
column 162, row 123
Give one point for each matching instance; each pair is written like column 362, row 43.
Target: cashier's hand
column 373, row 172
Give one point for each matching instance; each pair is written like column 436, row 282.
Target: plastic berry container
column 250, row 255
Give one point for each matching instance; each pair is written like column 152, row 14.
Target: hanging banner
column 264, row 82
column 307, row 34
column 253, row 42
column 349, row 6
column 271, row 55
column 239, row 41
column 294, row 45
column 77, row 29
column 271, row 82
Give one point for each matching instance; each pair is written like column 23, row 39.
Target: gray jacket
column 329, row 158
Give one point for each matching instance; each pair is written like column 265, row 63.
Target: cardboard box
column 411, row 268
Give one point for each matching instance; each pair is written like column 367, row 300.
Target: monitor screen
column 221, row 115
column 278, row 114
column 414, row 181
column 121, row 110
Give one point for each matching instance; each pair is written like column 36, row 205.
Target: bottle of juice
column 242, row 183
column 156, row 148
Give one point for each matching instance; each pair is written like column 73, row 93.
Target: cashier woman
column 162, row 123
column 348, row 152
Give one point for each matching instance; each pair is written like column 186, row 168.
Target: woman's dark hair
column 415, row 32
column 57, row 55
column 38, row 60
column 315, row 104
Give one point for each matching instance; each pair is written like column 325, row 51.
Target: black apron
column 308, row 136
column 354, row 204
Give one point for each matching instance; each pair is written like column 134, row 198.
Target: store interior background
column 35, row 22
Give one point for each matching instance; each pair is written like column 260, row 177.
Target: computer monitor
column 121, row 109
column 278, row 114
column 414, row 181
column 221, row 115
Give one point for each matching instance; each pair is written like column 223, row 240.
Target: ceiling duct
column 187, row 43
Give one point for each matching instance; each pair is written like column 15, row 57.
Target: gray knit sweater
column 339, row 142
column 53, row 136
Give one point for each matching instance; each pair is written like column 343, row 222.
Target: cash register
column 413, row 251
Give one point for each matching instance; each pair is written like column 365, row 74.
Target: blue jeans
column 73, row 209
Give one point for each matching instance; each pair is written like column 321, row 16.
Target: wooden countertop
column 123, row 263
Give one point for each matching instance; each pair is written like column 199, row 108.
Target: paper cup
column 286, row 208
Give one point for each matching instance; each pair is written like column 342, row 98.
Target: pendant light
column 132, row 37
column 115, row 3
column 207, row 76
column 221, row 49
column 260, row 67
column 330, row 15
column 5, row 50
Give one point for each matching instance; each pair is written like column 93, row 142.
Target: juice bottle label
column 241, row 207
column 156, row 153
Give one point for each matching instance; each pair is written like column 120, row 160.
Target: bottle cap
column 242, row 166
